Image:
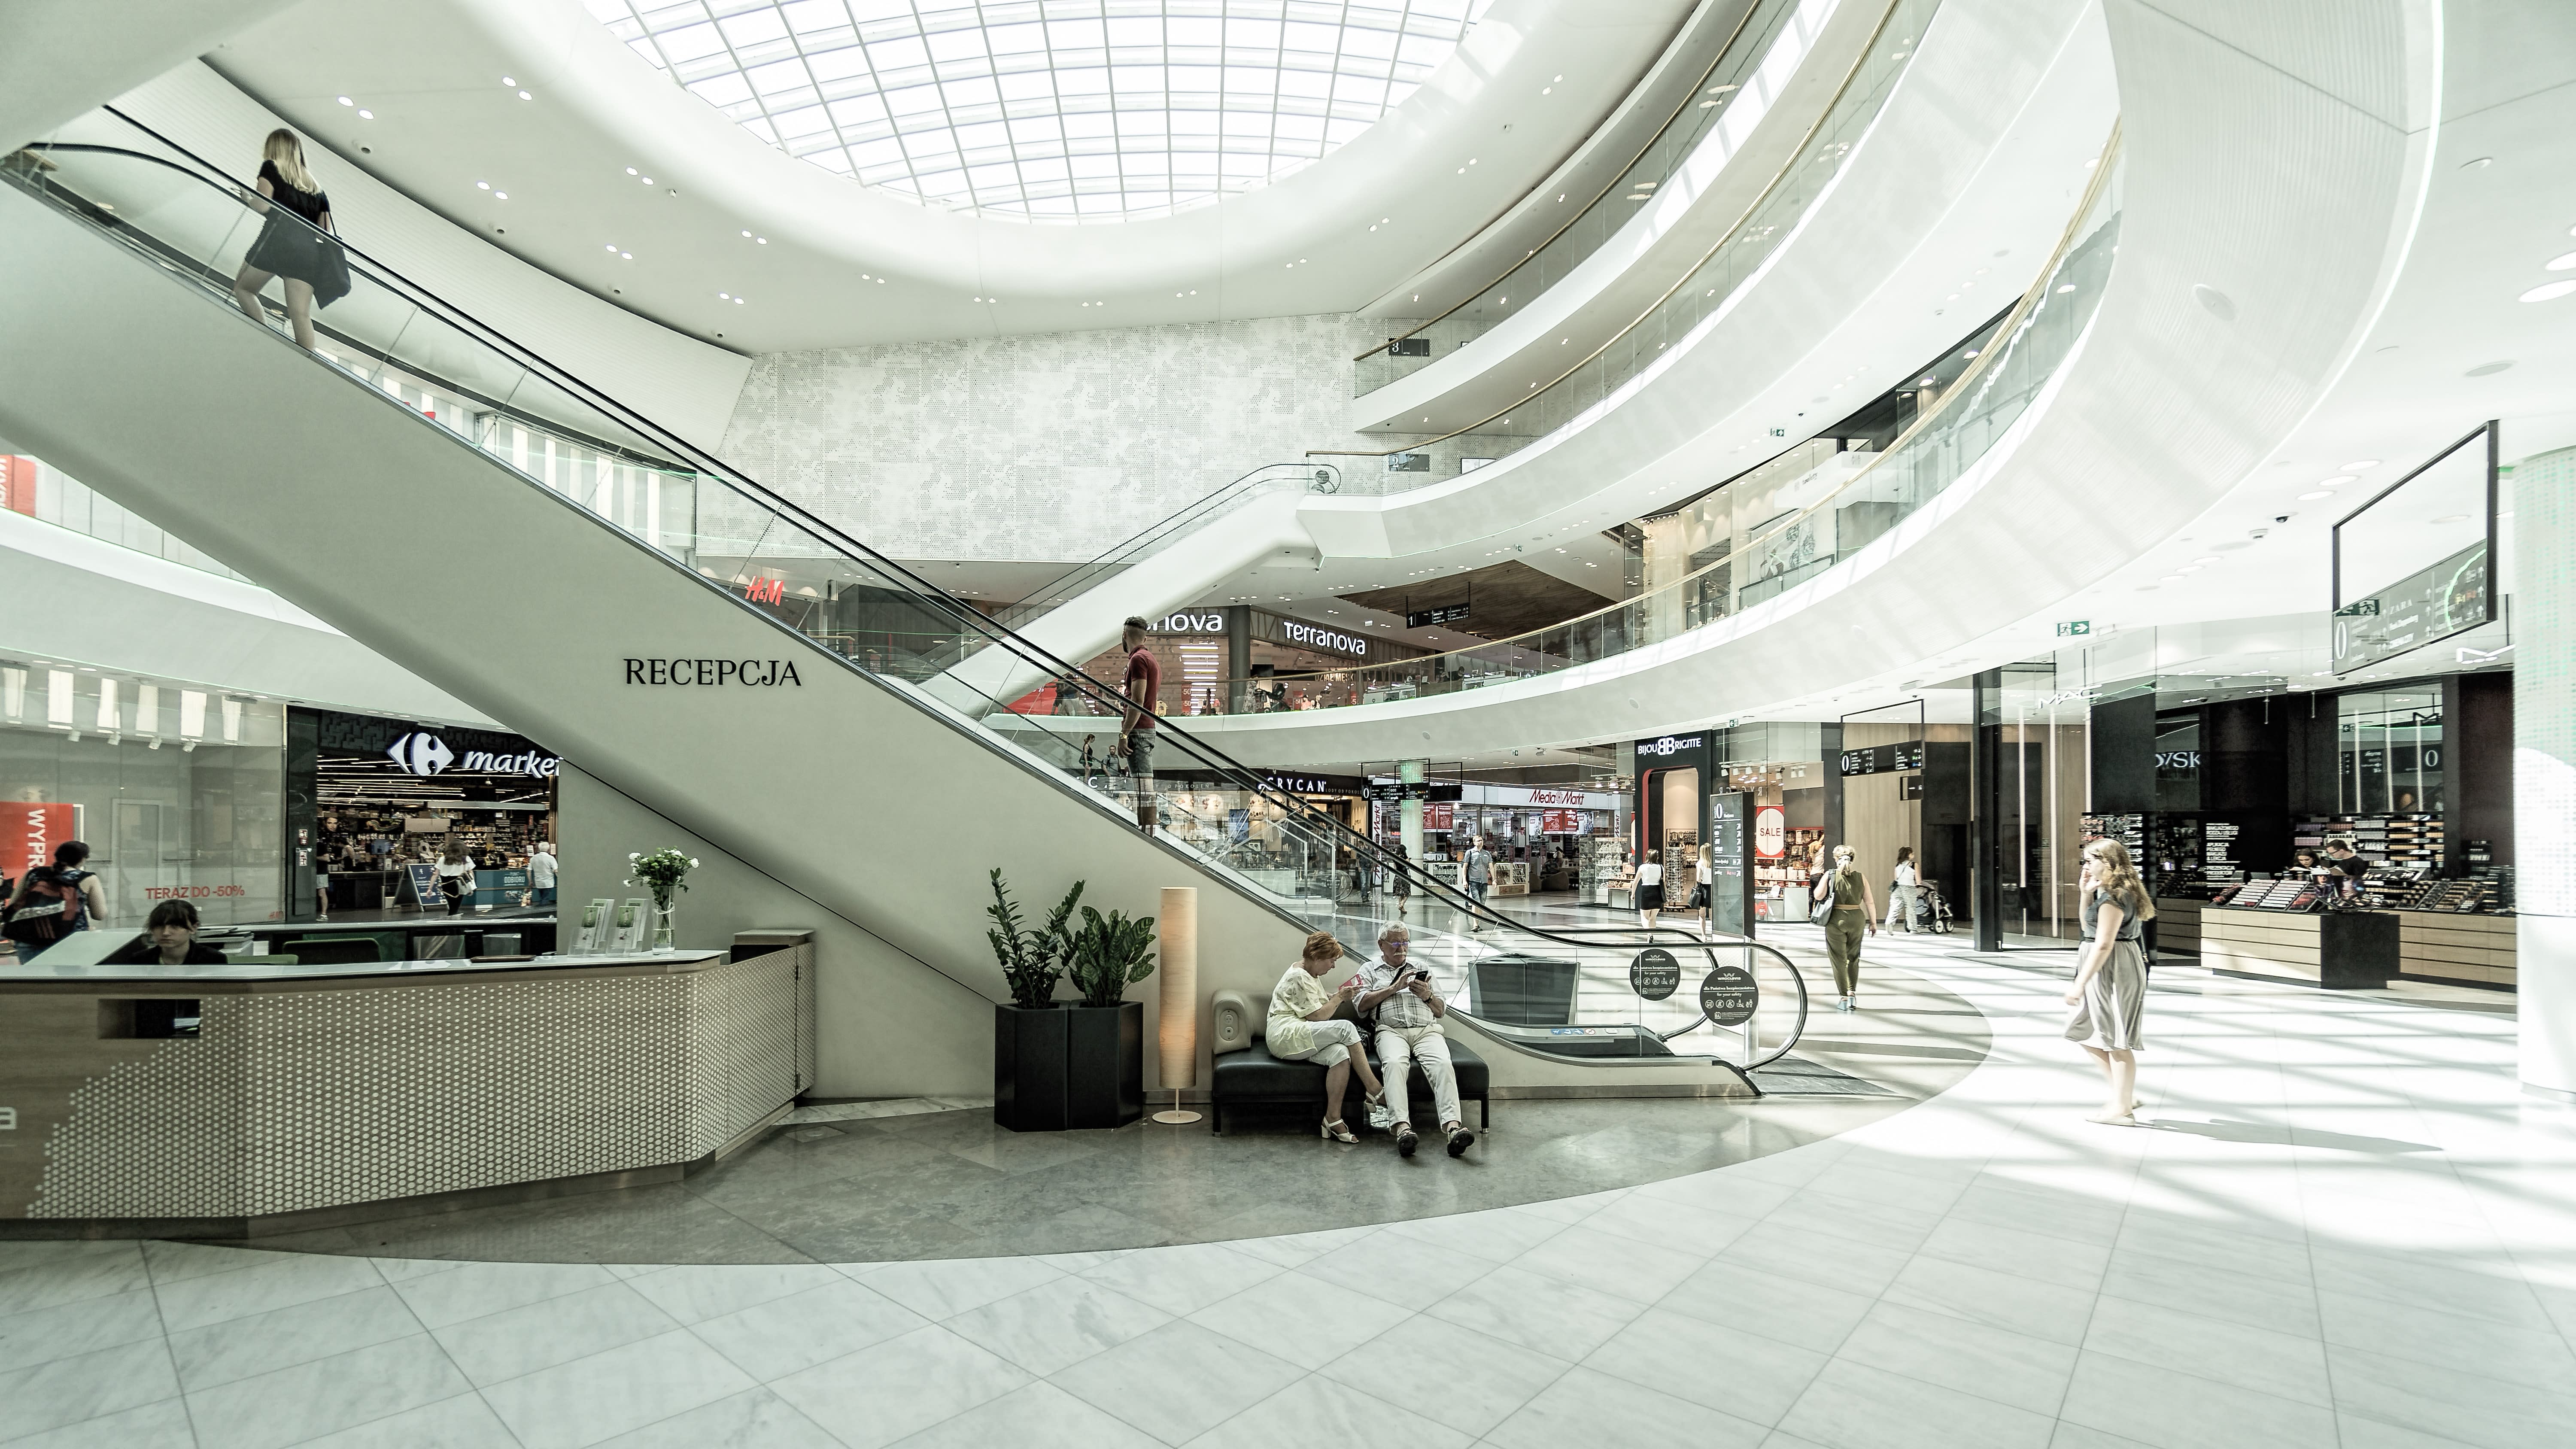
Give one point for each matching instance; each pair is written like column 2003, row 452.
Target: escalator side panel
column 526, row 607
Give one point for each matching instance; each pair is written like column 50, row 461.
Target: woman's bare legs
column 2120, row 1074
column 246, row 287
column 1336, row 1077
column 299, row 311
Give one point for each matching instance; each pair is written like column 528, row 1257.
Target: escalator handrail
column 1108, row 560
column 1361, row 846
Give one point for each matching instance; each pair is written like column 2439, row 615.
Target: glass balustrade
column 1736, row 90
column 576, row 446
column 1864, row 495
column 1592, row 381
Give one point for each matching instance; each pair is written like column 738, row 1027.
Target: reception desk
column 2340, row 950
column 242, row 1098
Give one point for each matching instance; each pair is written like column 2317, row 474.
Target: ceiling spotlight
column 2549, row 291
column 363, row 116
column 2358, row 465
column 631, row 171
column 746, row 233
column 2313, row 497
column 2337, row 481
column 505, row 80
column 483, row 185
column 500, row 196
column 344, row 100
column 764, row 241
column 523, row 95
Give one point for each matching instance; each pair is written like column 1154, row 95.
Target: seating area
column 1252, row 1077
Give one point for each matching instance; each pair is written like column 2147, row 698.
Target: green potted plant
column 1031, row 1031
column 1105, row 1048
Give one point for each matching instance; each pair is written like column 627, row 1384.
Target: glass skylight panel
column 1057, row 109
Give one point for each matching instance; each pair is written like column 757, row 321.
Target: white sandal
column 1336, row 1130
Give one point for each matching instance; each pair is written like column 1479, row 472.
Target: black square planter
column 1068, row 1067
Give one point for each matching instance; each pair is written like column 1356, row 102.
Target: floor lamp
column 1177, row 1033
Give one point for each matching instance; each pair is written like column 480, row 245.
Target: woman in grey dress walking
column 2110, row 992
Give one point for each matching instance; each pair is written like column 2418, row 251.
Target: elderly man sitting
column 1397, row 995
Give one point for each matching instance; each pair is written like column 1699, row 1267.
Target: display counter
column 222, row 1100
column 2339, row 950
column 2472, row 949
column 2178, row 926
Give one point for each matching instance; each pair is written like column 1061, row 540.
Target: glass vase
column 662, row 929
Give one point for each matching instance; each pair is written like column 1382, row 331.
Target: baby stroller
column 1931, row 912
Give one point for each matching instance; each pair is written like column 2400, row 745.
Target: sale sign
column 29, row 833
column 1770, row 832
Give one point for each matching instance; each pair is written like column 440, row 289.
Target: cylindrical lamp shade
column 1178, row 1032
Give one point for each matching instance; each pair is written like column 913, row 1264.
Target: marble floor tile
column 479, row 1290
column 1611, row 1263
column 1586, row 1407
column 1851, row 1405
column 1056, row 1324
column 890, row 1390
column 84, row 1325
column 2004, row 1300
column 1447, row 1373
column 1805, row 1314
column 66, row 1391
column 691, row 1293
column 240, row 1348
column 944, row 1288
column 1790, row 1251
column 325, row 1395
column 1038, row 1414
column 1317, row 1409
column 2262, row 1359
column 1182, row 1280
column 161, row 1424
column 463, row 1422
column 1537, row 1311
column 1991, row 1363
column 752, row 1419
column 772, row 1339
column 2426, row 1332
column 2238, row 1298
column 608, row 1393
column 519, row 1341
column 71, row 1278
column 282, row 1281
column 1178, row 1381
column 2011, row 1250
column 2475, row 1409
column 1280, row 1321
column 1738, row 1370
column 1404, row 1272
column 2170, row 1410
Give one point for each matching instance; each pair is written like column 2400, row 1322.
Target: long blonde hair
column 2115, row 875
column 286, row 153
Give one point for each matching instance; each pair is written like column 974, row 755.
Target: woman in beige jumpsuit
column 1855, row 911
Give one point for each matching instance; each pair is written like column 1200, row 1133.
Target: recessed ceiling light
column 2560, row 263
column 507, row 81
column 523, row 95
column 344, row 100
column 631, row 171
column 2069, row 287
column 2549, row 291
column 746, row 233
column 2337, row 481
column 2358, row 464
column 2313, row 497
column 500, row 196
column 366, row 115
column 483, row 185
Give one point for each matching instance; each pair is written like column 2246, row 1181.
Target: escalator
column 748, row 672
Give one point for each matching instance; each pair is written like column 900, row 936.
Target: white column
column 2544, row 766
column 1409, row 812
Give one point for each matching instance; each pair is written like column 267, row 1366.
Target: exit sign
column 2074, row 626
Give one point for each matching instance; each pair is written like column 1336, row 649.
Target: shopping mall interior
column 1241, row 722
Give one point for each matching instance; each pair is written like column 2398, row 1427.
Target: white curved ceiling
column 849, row 264
column 1069, row 110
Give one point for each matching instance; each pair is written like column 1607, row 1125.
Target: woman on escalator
column 295, row 243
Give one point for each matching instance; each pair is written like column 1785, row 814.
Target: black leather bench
column 1253, row 1077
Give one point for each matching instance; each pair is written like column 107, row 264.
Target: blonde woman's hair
column 286, row 153
column 1322, row 946
column 2114, row 874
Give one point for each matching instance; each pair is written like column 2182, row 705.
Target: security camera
column 2280, row 518
column 2256, row 532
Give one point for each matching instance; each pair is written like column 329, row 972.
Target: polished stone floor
column 2344, row 1228
column 907, row 1181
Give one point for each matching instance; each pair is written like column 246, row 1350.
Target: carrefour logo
column 422, row 753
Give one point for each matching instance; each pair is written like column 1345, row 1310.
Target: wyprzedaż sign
column 1729, row 995
column 1655, row 974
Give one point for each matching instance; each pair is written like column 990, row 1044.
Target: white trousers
column 1900, row 907
column 1399, row 1048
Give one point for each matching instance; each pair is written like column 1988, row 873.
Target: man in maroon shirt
column 1143, row 687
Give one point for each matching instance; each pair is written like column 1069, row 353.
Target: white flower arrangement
column 665, row 873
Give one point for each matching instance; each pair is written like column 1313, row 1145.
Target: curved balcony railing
column 1767, row 555
column 1738, row 85
column 846, row 606
column 1703, row 291
column 1308, row 477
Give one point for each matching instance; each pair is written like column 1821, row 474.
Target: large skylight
column 1070, row 110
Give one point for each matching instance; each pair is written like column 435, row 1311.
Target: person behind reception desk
column 169, row 939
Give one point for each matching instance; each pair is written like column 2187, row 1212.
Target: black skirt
column 1650, row 897
column 287, row 247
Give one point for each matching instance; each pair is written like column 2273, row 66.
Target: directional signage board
column 1883, row 759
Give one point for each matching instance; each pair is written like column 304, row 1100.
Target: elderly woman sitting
column 1302, row 1029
